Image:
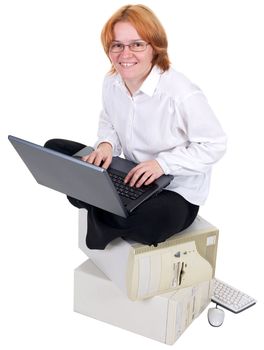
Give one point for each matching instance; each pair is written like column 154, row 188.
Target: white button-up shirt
column 167, row 119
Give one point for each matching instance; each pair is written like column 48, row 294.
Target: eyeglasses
column 135, row 46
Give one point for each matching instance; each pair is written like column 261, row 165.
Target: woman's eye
column 116, row 47
column 137, row 44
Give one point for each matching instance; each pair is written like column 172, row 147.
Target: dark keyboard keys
column 124, row 189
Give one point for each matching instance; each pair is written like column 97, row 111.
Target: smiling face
column 133, row 67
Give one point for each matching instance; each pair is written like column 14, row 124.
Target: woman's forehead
column 125, row 31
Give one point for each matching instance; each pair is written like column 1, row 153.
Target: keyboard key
column 126, row 190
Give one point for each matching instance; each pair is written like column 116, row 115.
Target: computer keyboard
column 124, row 189
column 231, row 298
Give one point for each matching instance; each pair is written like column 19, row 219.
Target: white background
column 52, row 66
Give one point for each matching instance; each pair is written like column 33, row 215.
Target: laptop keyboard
column 124, row 189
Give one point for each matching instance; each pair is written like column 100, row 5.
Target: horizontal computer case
column 142, row 271
column 163, row 318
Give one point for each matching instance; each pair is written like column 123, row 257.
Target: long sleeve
column 106, row 131
column 206, row 139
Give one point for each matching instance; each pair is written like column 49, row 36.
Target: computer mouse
column 215, row 317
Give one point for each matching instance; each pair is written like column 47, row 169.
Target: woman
column 158, row 119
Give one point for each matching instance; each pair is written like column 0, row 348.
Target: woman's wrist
column 105, row 144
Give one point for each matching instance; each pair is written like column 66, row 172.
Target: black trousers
column 152, row 222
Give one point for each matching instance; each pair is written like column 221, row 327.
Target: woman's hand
column 144, row 173
column 102, row 156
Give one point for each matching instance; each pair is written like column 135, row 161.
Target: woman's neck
column 133, row 86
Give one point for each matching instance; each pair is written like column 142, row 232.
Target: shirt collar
column 150, row 83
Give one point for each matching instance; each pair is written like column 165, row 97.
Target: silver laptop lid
column 59, row 172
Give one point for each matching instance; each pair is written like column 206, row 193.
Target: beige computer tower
column 163, row 318
column 142, row 271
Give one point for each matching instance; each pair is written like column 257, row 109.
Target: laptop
column 84, row 181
